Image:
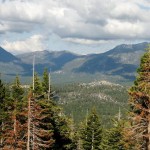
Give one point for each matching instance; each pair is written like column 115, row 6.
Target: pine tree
column 61, row 129
column 140, row 105
column 113, row 138
column 37, row 85
column 13, row 134
column 17, row 95
column 6, row 118
column 91, row 132
column 45, row 82
column 2, row 115
column 40, row 129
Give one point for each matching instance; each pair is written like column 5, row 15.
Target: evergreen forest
column 83, row 116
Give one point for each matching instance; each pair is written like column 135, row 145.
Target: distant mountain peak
column 127, row 46
column 122, row 60
column 124, row 48
column 131, row 45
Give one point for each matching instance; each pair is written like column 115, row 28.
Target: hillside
column 123, row 60
column 11, row 65
column 107, row 97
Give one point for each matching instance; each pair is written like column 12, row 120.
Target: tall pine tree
column 13, row 126
column 40, row 129
column 45, row 82
column 91, row 132
column 61, row 129
column 140, row 105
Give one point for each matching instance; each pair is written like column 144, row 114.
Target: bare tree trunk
column 29, row 123
column 29, row 112
column 33, row 72
column 49, row 87
column 33, row 127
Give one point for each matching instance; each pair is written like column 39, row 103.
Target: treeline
column 31, row 120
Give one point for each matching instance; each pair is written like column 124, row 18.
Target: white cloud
column 124, row 29
column 86, row 41
column 78, row 21
column 21, row 11
column 34, row 43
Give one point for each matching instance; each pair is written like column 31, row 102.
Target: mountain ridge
column 122, row 60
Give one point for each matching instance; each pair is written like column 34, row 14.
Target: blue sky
column 80, row 26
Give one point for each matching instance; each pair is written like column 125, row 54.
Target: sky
column 80, row 26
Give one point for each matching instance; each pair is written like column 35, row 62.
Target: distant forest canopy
column 108, row 99
column 31, row 118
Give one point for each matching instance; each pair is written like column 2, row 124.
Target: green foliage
column 37, row 85
column 17, row 90
column 61, row 129
column 2, row 91
column 2, row 100
column 45, row 82
column 91, row 132
column 17, row 94
column 113, row 138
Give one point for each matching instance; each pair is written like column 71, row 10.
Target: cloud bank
column 34, row 43
column 83, row 22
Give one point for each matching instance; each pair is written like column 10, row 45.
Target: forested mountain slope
column 123, row 60
column 77, row 99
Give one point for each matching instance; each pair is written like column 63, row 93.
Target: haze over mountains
column 122, row 60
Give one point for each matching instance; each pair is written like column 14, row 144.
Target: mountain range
column 122, row 60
